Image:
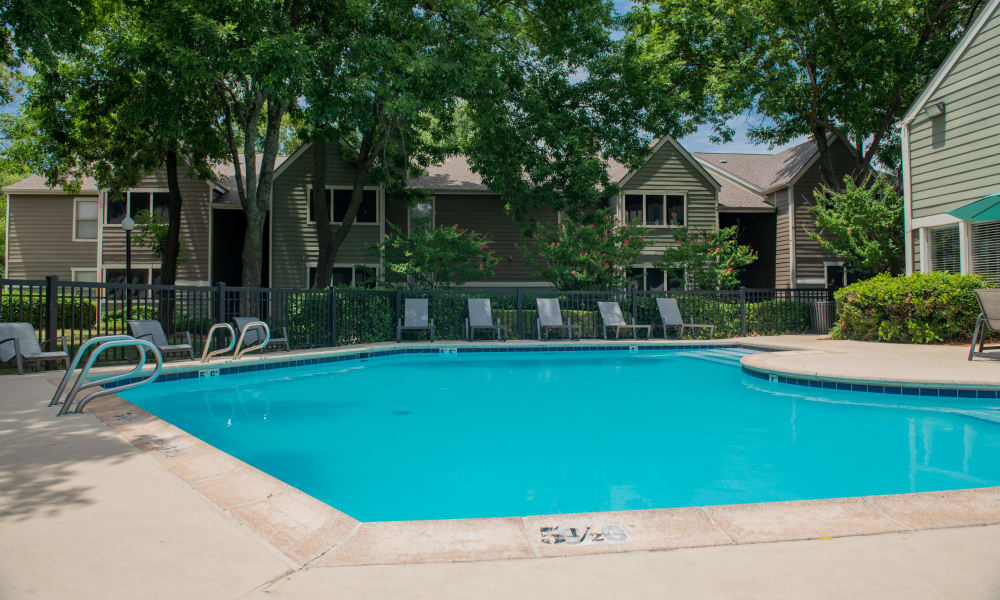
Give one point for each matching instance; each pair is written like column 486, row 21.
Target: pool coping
column 313, row 533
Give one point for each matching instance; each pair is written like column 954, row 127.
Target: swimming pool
column 435, row 436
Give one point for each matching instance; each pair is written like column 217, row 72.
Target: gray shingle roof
column 36, row 183
column 454, row 173
column 767, row 172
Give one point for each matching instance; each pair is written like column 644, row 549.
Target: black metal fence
column 322, row 318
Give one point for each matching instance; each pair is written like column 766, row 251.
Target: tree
column 91, row 114
column 536, row 95
column 154, row 234
column 707, row 260
column 586, row 256
column 445, row 257
column 863, row 225
column 844, row 70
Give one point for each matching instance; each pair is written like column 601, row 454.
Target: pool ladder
column 103, row 343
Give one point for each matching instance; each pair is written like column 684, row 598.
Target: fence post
column 399, row 303
column 332, row 314
column 220, row 302
column 635, row 307
column 52, row 311
column 743, row 310
column 517, row 313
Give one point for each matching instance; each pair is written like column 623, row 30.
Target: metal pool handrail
column 57, row 397
column 141, row 345
column 267, row 338
column 205, row 354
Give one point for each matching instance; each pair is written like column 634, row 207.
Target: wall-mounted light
column 934, row 110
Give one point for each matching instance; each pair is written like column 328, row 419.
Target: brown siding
column 293, row 239
column 41, row 238
column 195, row 230
column 809, row 256
column 485, row 214
column 916, row 251
column 782, row 256
column 670, row 171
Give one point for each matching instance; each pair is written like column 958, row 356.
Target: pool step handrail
column 238, row 354
column 205, row 354
column 57, row 397
column 81, row 381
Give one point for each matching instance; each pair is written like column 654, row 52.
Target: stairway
column 725, row 356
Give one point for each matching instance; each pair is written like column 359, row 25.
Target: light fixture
column 128, row 224
column 934, row 110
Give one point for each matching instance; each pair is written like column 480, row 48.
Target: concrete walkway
column 85, row 514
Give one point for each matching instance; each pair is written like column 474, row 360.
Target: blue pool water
column 425, row 436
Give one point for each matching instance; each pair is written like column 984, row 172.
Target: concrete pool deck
column 125, row 505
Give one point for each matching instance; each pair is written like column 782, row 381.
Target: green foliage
column 923, row 308
column 363, row 316
column 151, row 233
column 71, row 310
column 445, row 257
column 848, row 69
column 863, row 225
column 707, row 260
column 581, row 256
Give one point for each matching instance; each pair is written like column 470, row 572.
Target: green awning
column 985, row 209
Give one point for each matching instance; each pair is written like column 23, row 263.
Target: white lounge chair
column 988, row 320
column 670, row 316
column 550, row 317
column 612, row 318
column 415, row 318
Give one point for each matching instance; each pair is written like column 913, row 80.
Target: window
column 85, row 221
column 85, row 275
column 422, row 217
column 655, row 209
column 836, row 276
column 945, row 249
column 134, row 202
column 649, row 278
column 986, row 250
column 359, row 275
column 142, row 275
column 341, row 200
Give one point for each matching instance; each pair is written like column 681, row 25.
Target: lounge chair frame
column 670, row 316
column 416, row 317
column 152, row 331
column 987, row 321
column 253, row 336
column 481, row 317
column 25, row 346
column 612, row 318
column 550, row 317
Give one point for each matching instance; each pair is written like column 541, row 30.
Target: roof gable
column 615, row 167
column 950, row 61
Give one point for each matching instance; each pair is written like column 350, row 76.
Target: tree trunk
column 826, row 160
column 321, row 212
column 172, row 245
column 253, row 246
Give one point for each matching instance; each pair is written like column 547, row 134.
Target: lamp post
column 128, row 225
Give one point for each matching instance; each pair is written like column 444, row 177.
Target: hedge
column 923, row 308
column 80, row 313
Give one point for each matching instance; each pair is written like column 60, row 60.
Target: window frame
column 147, row 267
column 660, row 192
column 826, row 272
column 409, row 221
column 959, row 256
column 76, row 219
column 104, row 204
column 74, row 270
column 649, row 267
column 379, row 213
column 352, row 266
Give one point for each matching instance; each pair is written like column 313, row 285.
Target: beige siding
column 668, row 170
column 293, row 239
column 41, row 238
column 916, row 252
column 195, row 230
column 953, row 158
column 809, row 256
column 782, row 256
column 485, row 214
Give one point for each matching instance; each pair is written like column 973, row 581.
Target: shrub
column 71, row 310
column 923, row 308
column 707, row 260
column 444, row 257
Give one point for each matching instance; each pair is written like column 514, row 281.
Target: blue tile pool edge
column 193, row 372
column 902, row 388
column 880, row 387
